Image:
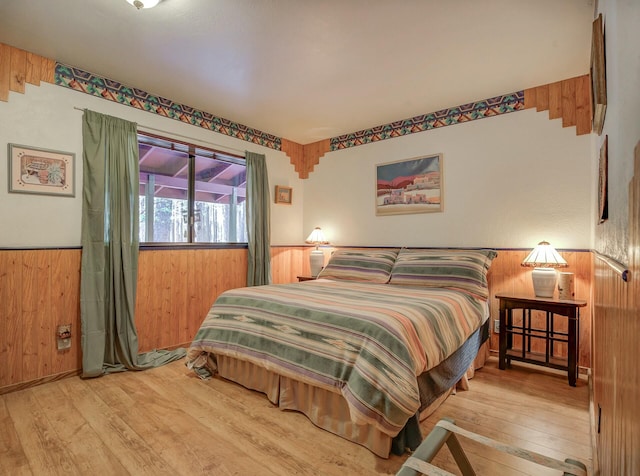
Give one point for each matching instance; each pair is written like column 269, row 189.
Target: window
column 190, row 194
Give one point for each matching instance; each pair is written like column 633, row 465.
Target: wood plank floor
column 166, row 421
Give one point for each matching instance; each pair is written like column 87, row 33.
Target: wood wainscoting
column 507, row 276
column 616, row 353
column 40, row 289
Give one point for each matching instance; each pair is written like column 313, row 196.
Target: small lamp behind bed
column 544, row 259
column 316, row 259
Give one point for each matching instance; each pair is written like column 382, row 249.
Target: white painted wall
column 509, row 181
column 622, row 120
column 45, row 117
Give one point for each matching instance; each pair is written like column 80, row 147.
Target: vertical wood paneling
column 542, row 98
column 188, row 328
column 18, row 70
column 204, row 285
column 555, row 100
column 529, row 98
column 583, row 105
column 64, row 278
column 568, row 103
column 508, row 276
column 37, row 330
column 5, row 71
column 34, row 69
column 305, row 157
column 175, row 291
column 569, row 99
column 48, row 71
column 18, row 67
column 179, row 300
column 616, row 353
column 11, row 341
column 295, row 152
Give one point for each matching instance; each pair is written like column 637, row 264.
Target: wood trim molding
column 305, row 157
column 569, row 100
column 18, row 67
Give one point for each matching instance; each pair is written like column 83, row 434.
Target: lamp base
column 544, row 281
column 316, row 262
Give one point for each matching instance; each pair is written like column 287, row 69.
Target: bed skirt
column 326, row 409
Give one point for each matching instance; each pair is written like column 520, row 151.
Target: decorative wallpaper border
column 445, row 117
column 89, row 83
column 94, row 85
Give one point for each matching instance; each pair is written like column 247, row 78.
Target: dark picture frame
column 598, row 76
column 603, row 182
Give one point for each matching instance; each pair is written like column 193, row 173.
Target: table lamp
column 316, row 258
column 544, row 259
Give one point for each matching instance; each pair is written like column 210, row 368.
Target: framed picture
column 284, row 194
column 598, row 76
column 41, row 171
column 409, row 186
column 603, row 182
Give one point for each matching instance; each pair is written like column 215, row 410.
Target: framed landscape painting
column 409, row 186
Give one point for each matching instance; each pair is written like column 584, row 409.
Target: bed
column 381, row 337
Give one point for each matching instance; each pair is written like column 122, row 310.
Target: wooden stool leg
column 459, row 455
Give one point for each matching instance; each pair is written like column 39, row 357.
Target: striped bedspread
column 368, row 342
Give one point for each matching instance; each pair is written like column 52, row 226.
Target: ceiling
column 308, row 70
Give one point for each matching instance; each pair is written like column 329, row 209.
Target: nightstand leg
column 502, row 360
column 572, row 359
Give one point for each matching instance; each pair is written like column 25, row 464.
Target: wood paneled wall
column 176, row 289
column 305, row 157
column 616, row 353
column 569, row 100
column 506, row 275
column 18, row 67
column 39, row 290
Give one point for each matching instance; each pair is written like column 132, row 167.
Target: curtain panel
column 110, row 242
column 258, row 221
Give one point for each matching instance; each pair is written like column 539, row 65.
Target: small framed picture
column 41, row 171
column 284, row 194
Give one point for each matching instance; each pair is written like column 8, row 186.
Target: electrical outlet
column 496, row 326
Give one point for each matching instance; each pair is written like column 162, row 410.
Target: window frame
column 193, row 151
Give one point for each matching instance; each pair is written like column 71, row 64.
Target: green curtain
column 258, row 221
column 109, row 269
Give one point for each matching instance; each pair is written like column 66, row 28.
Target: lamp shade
column 544, row 259
column 544, row 256
column 316, row 258
column 316, row 237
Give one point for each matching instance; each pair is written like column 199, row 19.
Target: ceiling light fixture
column 139, row 4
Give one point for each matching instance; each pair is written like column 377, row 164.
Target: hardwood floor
column 166, row 421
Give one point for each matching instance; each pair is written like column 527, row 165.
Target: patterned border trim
column 94, row 85
column 89, row 83
column 446, row 117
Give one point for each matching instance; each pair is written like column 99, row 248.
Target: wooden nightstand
column 306, row 278
column 523, row 329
